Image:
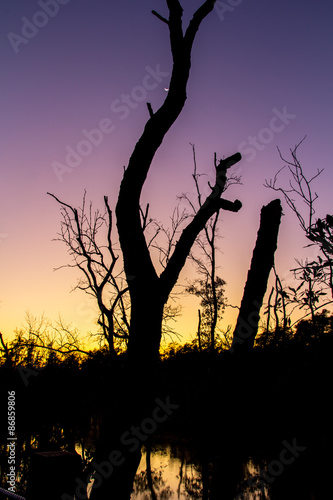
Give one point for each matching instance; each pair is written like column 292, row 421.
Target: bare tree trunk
column 5, row 350
column 146, row 327
column 257, row 278
column 268, row 314
column 199, row 330
column 149, row 473
column 211, row 242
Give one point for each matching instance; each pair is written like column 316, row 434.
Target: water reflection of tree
column 253, row 486
column 151, row 480
column 193, row 487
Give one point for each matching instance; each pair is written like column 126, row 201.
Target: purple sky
column 91, row 64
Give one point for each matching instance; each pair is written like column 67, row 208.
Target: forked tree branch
column 299, row 186
column 137, row 259
column 212, row 204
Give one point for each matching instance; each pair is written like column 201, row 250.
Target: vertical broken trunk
column 257, row 278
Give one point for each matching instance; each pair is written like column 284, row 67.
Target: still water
column 173, row 472
column 163, row 475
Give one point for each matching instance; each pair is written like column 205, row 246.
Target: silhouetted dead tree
column 80, row 232
column 299, row 187
column 89, row 241
column 316, row 275
column 145, row 286
column 256, row 283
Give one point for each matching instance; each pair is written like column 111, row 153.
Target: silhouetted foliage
column 40, row 342
column 311, row 334
column 315, row 276
column 292, row 373
column 213, row 304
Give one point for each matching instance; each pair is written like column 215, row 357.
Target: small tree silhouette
column 213, row 304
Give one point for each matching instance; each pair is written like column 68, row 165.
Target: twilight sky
column 261, row 77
